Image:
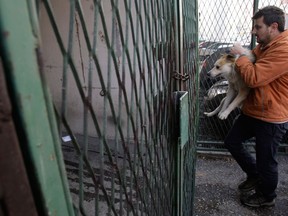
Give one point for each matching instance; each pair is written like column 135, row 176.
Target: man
column 265, row 111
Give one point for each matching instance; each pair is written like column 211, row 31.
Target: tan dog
column 237, row 90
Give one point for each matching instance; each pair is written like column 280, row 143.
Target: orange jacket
column 268, row 80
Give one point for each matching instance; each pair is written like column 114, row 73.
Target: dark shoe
column 257, row 200
column 249, row 184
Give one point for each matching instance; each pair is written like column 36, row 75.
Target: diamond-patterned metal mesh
column 221, row 23
column 111, row 67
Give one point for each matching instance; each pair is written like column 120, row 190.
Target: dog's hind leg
column 214, row 112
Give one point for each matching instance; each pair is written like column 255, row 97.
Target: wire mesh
column 221, row 23
column 109, row 65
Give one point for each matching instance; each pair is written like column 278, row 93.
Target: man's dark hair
column 271, row 14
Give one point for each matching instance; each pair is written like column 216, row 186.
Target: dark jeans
column 268, row 136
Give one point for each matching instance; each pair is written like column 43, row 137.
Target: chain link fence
column 222, row 23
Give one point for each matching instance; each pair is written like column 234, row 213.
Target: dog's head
column 223, row 66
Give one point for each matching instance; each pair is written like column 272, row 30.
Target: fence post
column 178, row 20
column 253, row 38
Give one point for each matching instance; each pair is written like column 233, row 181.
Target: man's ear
column 274, row 26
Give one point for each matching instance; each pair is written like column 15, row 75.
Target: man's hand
column 237, row 49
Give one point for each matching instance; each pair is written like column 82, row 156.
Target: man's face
column 261, row 31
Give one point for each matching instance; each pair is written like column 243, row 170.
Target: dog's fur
column 237, row 90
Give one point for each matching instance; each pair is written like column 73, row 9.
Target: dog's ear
column 231, row 57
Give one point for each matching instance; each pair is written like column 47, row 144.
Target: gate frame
column 38, row 136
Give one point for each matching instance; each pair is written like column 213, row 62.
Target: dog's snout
column 209, row 73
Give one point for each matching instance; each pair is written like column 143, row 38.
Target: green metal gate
column 123, row 76
column 222, row 23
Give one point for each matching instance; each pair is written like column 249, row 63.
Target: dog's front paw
column 223, row 115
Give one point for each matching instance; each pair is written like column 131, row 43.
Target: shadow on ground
column 217, row 178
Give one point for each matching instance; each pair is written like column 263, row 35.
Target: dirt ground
column 217, row 178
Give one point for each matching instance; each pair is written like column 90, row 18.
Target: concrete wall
column 53, row 63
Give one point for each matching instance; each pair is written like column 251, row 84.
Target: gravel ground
column 217, row 178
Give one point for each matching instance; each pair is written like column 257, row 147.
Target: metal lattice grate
column 110, row 67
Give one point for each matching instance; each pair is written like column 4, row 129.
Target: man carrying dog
column 265, row 110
